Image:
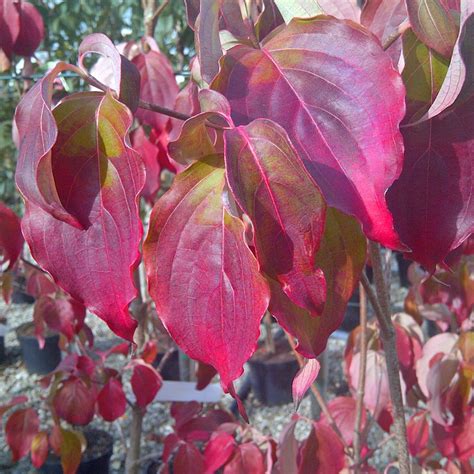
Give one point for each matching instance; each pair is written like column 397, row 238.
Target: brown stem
column 388, row 336
column 163, row 110
column 269, row 342
column 372, row 451
column 361, row 380
column 317, row 395
column 133, row 453
column 402, row 27
column 32, row 265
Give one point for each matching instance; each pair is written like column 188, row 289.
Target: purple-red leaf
column 202, row 276
column 346, row 134
column 341, row 257
column 271, row 185
column 418, row 433
column 247, row 458
column 75, row 401
column 157, row 85
column 9, row 25
column 20, row 429
column 11, row 239
column 456, row 441
column 432, row 201
column 188, row 459
column 304, row 379
column 98, row 179
column 111, row 400
column 146, row 382
column 31, row 29
column 218, row 451
column 125, row 76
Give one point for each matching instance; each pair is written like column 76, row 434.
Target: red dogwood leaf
column 322, row 452
column 343, row 410
column 288, row 448
column 187, row 103
column 188, row 459
column 347, row 134
column 218, row 451
column 70, row 451
column 9, row 26
column 341, row 257
column 146, row 382
column 269, row 19
column 20, row 429
column 304, row 379
column 418, row 433
column 272, row 187
column 157, row 85
column 39, row 283
column 17, row 400
column 125, row 76
column 39, row 449
column 382, row 17
column 438, row 156
column 247, row 458
column 31, row 29
column 204, row 375
column 111, row 400
column 72, row 394
column 434, row 24
column 99, row 178
column 342, row 9
column 456, row 441
column 214, row 318
column 290, row 9
column 11, row 239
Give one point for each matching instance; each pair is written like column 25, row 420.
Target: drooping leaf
column 125, row 76
column 9, row 26
column 72, row 394
column 98, row 179
column 418, row 433
column 432, row 201
column 201, row 291
column 146, row 382
column 39, row 283
column 218, row 451
column 111, row 400
column 458, row 85
column 272, row 187
column 288, row 448
column 269, row 19
column 20, row 429
column 11, row 239
column 304, row 379
column 341, row 257
column 188, row 459
column 434, row 24
column 71, row 451
column 247, row 458
column 346, row 134
column 31, row 29
column 157, row 85
column 204, row 375
column 39, row 449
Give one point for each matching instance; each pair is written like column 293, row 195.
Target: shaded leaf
column 111, row 400
column 146, row 382
column 72, row 394
column 9, row 26
column 456, row 441
column 288, row 448
column 201, row 291
column 418, row 433
column 31, row 29
column 20, row 429
column 272, row 187
column 188, row 459
column 247, row 458
column 218, row 451
column 347, row 134
column 11, row 239
column 304, row 379
column 39, row 449
column 71, row 451
column 204, row 375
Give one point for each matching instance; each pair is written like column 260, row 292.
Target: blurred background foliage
column 66, row 24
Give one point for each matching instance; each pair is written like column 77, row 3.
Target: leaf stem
column 163, row 110
column 388, row 336
column 401, row 28
column 361, row 380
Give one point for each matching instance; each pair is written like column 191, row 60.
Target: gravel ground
column 15, row 380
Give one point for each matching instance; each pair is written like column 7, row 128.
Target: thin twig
column 160, row 9
column 371, row 452
column 361, row 380
column 388, row 336
column 317, row 395
column 32, row 265
column 402, row 27
column 163, row 110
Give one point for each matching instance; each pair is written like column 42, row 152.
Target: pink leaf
column 11, row 239
column 271, row 185
column 342, row 9
column 353, row 119
column 456, row 441
column 146, row 382
column 218, row 451
column 20, row 429
column 191, row 230
column 304, row 379
column 72, row 394
column 99, row 186
column 111, row 400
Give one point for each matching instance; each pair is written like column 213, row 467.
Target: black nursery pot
column 2, row 349
column 38, row 361
column 95, row 459
column 271, row 376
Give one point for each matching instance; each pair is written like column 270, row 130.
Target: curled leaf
column 304, row 379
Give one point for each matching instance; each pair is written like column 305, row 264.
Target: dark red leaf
column 204, row 375
column 169, row 445
column 269, row 19
column 99, row 187
column 342, row 257
column 9, row 26
column 418, row 433
column 157, row 85
column 39, row 449
column 288, row 448
column 111, row 400
column 72, row 394
column 31, row 29
column 188, row 459
column 190, row 229
column 184, row 412
column 455, row 441
column 146, row 382
column 39, row 284
column 437, row 157
column 218, row 451
column 11, row 239
column 125, row 77
column 353, row 119
column 20, row 429
column 247, row 458
column 271, row 186
column 17, row 400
